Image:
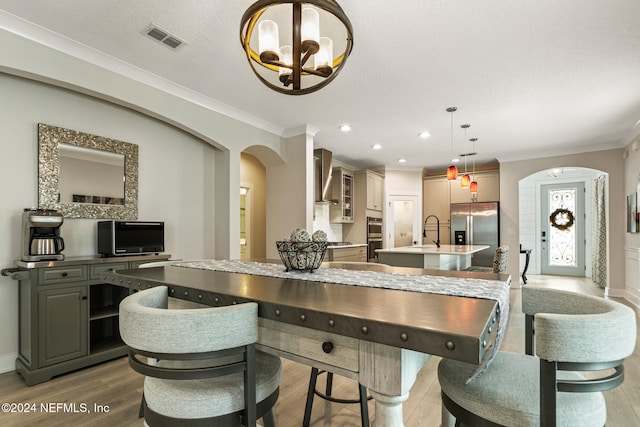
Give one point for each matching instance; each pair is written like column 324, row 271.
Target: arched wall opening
column 254, row 219
column 532, row 218
column 610, row 162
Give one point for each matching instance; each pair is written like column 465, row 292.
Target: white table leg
column 388, row 373
column 388, row 410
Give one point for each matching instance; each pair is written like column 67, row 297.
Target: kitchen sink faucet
column 424, row 230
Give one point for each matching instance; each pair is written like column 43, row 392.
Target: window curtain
column 599, row 254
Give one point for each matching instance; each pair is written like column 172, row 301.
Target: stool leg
column 364, row 408
column 329, row 383
column 268, row 420
column 310, row 394
column 141, row 410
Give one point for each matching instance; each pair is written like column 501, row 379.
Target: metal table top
column 448, row 326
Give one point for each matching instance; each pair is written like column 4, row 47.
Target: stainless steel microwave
column 130, row 237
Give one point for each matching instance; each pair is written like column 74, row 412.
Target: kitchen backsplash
column 321, row 222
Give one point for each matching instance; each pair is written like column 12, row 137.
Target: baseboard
column 8, row 362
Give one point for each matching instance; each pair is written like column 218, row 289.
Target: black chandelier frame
column 302, row 52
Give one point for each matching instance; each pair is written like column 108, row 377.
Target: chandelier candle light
column 452, row 170
column 291, row 62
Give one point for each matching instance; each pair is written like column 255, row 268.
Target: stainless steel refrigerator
column 477, row 224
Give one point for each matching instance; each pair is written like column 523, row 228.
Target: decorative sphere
column 300, row 235
column 319, row 236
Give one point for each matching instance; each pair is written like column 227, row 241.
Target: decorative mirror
column 86, row 176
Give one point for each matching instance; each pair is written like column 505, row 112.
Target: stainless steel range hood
column 322, row 175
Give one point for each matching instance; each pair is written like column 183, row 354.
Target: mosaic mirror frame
column 49, row 168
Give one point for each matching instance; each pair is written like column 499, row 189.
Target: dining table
column 376, row 324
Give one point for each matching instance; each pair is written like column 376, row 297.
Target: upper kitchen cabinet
column 370, row 185
column 436, row 202
column 374, row 190
column 488, row 189
column 368, row 202
column 343, row 191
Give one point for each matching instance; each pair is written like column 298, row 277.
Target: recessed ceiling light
column 376, row 146
column 345, row 127
column 424, row 134
column 402, row 160
column 455, row 160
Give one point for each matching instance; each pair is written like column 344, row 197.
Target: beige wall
column 609, row 161
column 189, row 155
column 253, row 175
column 290, row 192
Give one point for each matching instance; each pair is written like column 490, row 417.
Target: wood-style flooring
column 117, row 389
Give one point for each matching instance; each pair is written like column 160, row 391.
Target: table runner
column 465, row 287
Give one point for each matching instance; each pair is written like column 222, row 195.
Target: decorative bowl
column 305, row 256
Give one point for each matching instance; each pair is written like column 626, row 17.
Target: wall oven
column 374, row 238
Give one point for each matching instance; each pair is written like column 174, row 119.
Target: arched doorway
column 256, row 162
column 253, row 207
column 574, row 243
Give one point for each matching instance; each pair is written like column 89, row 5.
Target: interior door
column 562, row 239
column 245, row 223
column 403, row 221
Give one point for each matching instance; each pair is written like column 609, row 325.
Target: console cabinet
column 68, row 314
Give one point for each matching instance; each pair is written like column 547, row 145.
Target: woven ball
column 300, row 235
column 319, row 236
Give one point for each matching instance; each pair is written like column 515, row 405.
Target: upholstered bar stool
column 207, row 371
column 569, row 333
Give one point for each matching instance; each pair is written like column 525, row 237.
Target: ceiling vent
column 164, row 37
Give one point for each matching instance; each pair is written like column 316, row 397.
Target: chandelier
column 305, row 62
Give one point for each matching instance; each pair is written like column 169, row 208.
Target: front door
column 562, row 240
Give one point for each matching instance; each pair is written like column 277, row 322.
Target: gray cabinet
column 62, row 324
column 68, row 314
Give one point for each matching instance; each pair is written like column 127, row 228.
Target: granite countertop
column 434, row 250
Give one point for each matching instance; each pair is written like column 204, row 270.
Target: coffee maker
column 41, row 239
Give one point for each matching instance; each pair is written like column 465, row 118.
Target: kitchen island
column 445, row 257
column 382, row 341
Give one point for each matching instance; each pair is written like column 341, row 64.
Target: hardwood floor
column 116, row 386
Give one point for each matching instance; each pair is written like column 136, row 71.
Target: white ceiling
column 533, row 78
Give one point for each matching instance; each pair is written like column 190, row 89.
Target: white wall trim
column 631, row 291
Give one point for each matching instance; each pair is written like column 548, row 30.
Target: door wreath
column 562, row 219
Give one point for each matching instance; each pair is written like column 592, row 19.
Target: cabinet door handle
column 84, row 297
column 64, row 274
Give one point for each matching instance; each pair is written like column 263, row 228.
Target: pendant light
column 466, row 179
column 452, row 170
column 473, row 187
